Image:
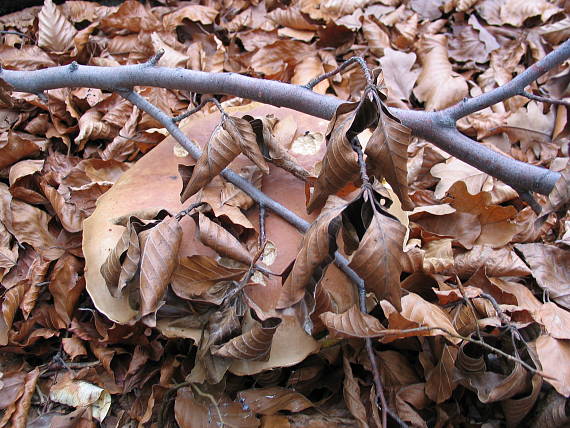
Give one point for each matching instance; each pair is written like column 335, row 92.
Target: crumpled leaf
column 16, row 147
column 10, row 304
column 77, row 393
column 55, row 33
column 438, row 85
column 352, row 323
column 417, row 312
column 516, row 409
column 351, row 393
column 515, row 12
column 66, row 286
column 253, row 345
column 122, row 263
column 339, row 165
column 378, row 257
column 492, row 387
column 317, row 251
column 268, row 401
column 232, row 137
column 387, row 154
column 196, row 275
column 440, row 381
column 158, row 261
column 220, row 240
column 553, row 276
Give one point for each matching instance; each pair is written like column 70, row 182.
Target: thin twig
column 262, row 238
column 198, row 108
column 390, row 332
column 188, row 210
column 17, row 33
column 354, row 60
column 544, row 99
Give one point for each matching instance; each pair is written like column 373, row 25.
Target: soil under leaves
column 119, row 308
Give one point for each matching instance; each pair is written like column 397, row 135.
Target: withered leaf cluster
column 149, row 291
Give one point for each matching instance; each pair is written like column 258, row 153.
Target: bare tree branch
column 436, row 127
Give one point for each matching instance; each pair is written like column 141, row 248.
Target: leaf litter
column 118, row 301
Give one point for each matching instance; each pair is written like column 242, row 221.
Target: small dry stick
column 544, row 99
column 198, row 108
column 354, row 60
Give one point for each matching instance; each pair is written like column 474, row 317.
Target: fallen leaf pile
column 139, row 288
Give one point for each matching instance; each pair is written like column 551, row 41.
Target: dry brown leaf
column 268, row 401
column 192, row 413
column 556, row 320
column 16, row 147
column 516, row 409
column 560, row 195
column 556, row 32
column 515, row 12
column 197, row 13
column 254, row 345
column 70, row 216
column 220, row 240
column 291, row 17
column 242, row 133
column 378, row 257
column 122, row 147
column 352, row 323
column 132, row 16
column 496, row 261
column 351, row 394
column 551, row 268
column 440, row 381
column 455, row 170
column 196, row 275
column 552, row 354
column 158, row 261
column 55, row 32
column 417, row 312
column 317, row 251
column 66, row 286
column 492, row 387
column 339, row 165
column 410, row 399
column 438, row 85
column 10, row 303
column 122, row 263
column 398, row 74
column 306, row 70
column 91, row 127
column 387, row 154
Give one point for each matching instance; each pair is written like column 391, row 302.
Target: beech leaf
column 158, row 261
column 56, row 33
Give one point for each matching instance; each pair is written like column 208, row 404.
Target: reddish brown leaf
column 55, row 33
column 351, row 393
column 440, row 381
column 317, row 249
column 378, row 257
column 15, row 148
column 122, row 263
column 158, row 261
column 221, row 241
column 551, row 353
column 352, row 323
column 254, row 345
column 268, row 401
column 66, row 286
column 10, row 303
column 492, row 387
column 11, row 388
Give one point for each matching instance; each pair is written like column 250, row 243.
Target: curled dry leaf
column 351, row 394
column 122, row 263
column 69, row 215
column 387, row 154
column 553, row 276
column 398, row 74
column 220, row 240
column 317, row 251
column 378, row 257
column 122, row 146
column 91, row 127
column 254, row 345
column 340, row 165
column 193, row 412
column 232, row 137
column 352, row 323
column 16, row 147
column 77, row 393
column 497, row 262
column 196, row 275
column 556, row 320
column 515, row 12
column 440, row 381
column 158, row 261
column 438, row 85
column 55, row 33
column 268, row 401
column 11, row 388
column 292, row 18
column 517, row 408
column 417, row 312
column 197, row 13
column 560, row 195
column 66, row 286
column 551, row 353
column 492, row 387
column 10, row 303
